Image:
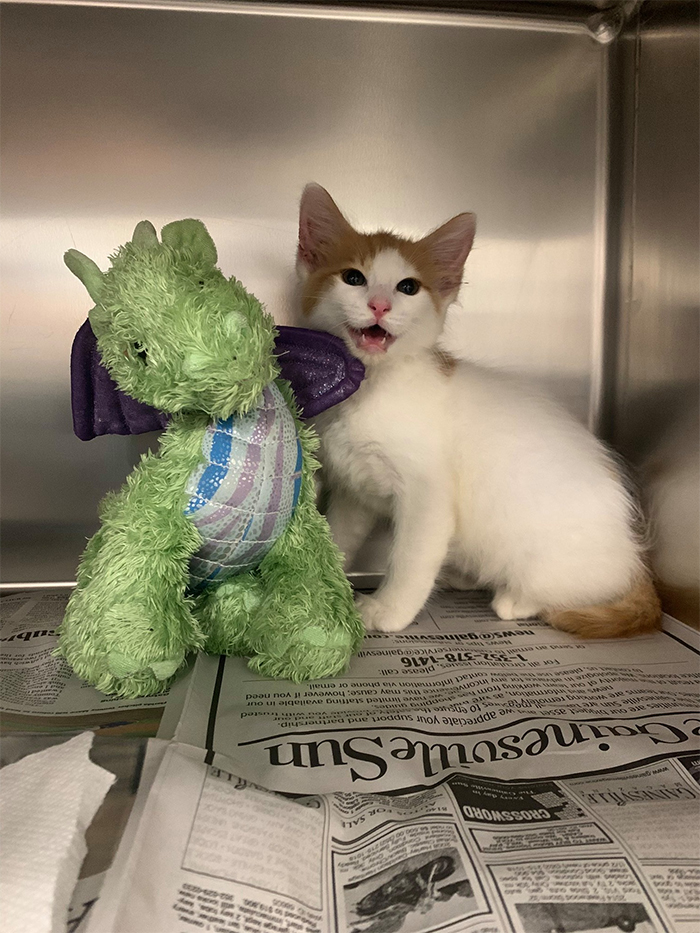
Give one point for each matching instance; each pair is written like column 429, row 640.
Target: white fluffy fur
column 482, row 477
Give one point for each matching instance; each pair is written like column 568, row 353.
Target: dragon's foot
column 121, row 666
column 308, row 651
column 128, row 649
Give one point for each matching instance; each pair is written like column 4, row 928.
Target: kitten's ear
column 448, row 248
column 320, row 226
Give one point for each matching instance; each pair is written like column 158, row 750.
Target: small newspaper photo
column 466, row 774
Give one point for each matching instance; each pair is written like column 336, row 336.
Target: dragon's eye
column 140, row 351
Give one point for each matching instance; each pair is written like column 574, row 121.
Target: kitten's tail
column 636, row 612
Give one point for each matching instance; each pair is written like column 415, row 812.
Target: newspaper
column 466, row 774
column 36, row 687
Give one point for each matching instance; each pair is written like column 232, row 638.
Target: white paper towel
column 47, row 801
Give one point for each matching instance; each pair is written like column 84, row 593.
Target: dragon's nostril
column 141, row 352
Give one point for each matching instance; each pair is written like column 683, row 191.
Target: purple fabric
column 318, row 365
column 98, row 405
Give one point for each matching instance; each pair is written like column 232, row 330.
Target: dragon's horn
column 190, row 235
column 145, row 236
column 87, row 271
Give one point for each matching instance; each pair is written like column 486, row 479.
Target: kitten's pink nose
column 379, row 307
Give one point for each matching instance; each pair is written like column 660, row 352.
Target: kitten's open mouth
column 372, row 339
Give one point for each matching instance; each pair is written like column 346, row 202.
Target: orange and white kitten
column 483, row 479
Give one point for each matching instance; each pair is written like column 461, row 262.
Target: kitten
column 482, row 478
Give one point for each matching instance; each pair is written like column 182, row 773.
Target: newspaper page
column 466, row 774
column 39, row 690
column 457, row 691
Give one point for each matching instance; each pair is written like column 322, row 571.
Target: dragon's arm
column 128, row 625
column 307, row 626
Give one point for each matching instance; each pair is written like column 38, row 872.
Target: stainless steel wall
column 579, row 157
column 110, row 115
column 656, row 416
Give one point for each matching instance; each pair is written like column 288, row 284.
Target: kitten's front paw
column 379, row 617
column 508, row 608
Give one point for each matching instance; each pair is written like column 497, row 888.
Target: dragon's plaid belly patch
column 243, row 496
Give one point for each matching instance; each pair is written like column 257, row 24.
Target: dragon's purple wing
column 99, row 407
column 318, row 365
column 319, row 368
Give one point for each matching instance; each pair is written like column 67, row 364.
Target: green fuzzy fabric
column 175, row 333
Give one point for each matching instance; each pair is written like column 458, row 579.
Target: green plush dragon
column 214, row 543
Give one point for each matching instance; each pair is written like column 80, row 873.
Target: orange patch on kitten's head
column 328, row 245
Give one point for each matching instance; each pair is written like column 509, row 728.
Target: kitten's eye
column 408, row 286
column 140, row 351
column 353, row 277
